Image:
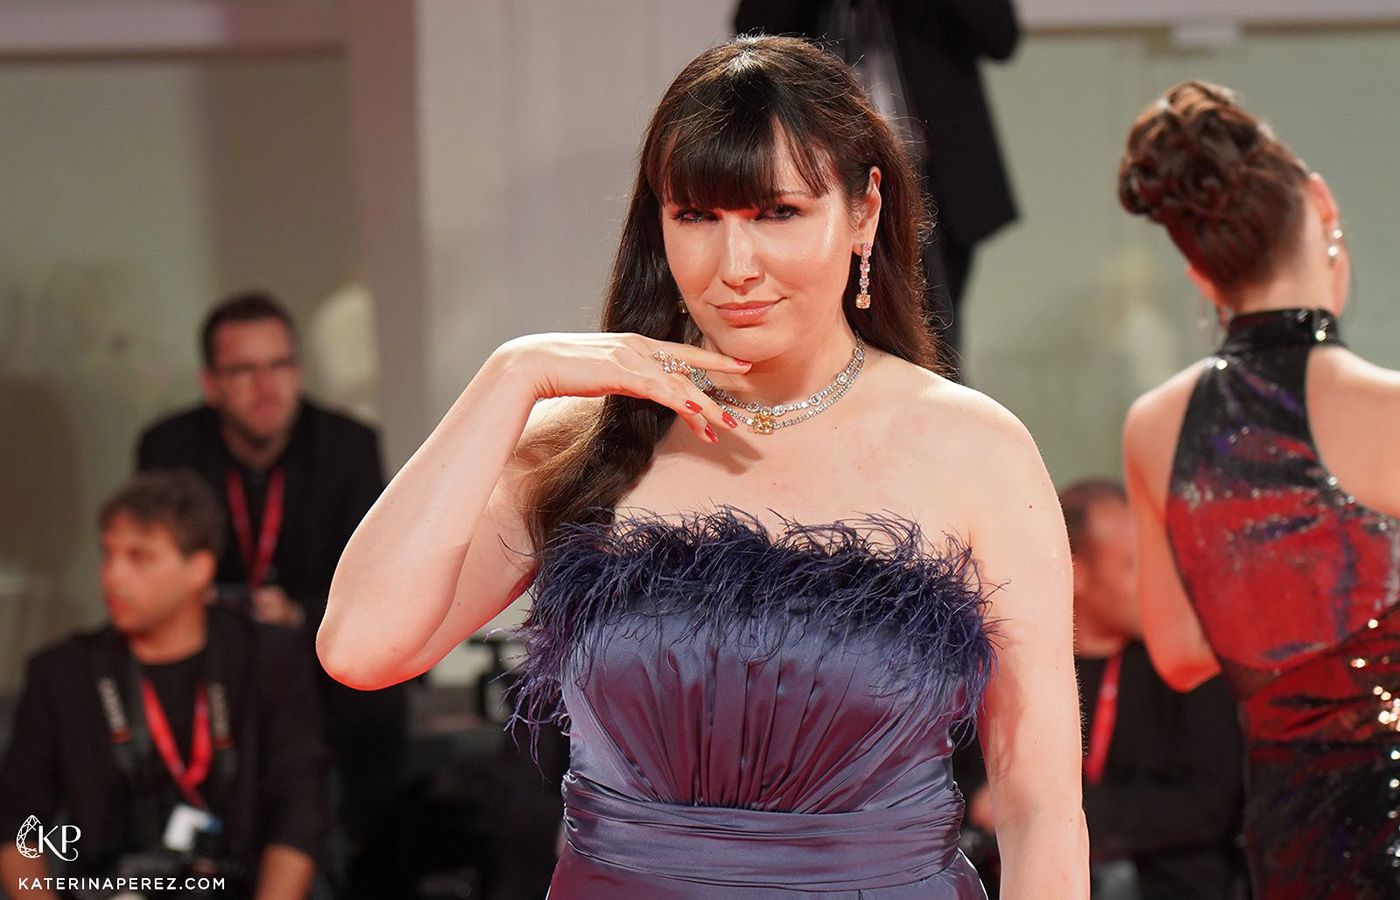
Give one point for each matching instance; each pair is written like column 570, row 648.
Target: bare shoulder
column 1166, row 403
column 1152, row 427
column 974, row 462
column 1354, row 416
column 1357, row 374
column 936, row 411
column 1374, row 392
column 970, row 453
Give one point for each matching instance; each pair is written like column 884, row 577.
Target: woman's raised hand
column 431, row 535
column 595, row 365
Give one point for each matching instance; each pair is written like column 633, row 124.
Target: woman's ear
column 1320, row 195
column 868, row 209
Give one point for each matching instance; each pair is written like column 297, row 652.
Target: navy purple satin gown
column 757, row 715
column 1297, row 586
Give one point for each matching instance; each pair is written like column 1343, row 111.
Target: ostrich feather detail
column 725, row 570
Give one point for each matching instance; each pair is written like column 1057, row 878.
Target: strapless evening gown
column 758, row 715
column 1297, row 586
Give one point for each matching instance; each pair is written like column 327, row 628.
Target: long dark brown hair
column 1228, row 192
column 713, row 143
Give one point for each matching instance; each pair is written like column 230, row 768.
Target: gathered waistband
column 741, row 847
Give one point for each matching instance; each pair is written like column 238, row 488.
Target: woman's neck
column 800, row 372
column 1301, row 286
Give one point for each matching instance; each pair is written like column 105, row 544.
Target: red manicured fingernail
column 692, row 406
column 730, row 420
column 710, row 433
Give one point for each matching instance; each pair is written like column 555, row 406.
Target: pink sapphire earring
column 863, row 298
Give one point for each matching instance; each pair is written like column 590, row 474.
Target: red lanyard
column 1105, row 717
column 201, row 745
column 257, row 560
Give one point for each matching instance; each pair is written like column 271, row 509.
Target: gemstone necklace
column 767, row 419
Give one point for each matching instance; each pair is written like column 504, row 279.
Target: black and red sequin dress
column 1297, row 586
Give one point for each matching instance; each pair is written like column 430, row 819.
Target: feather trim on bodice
column 725, row 571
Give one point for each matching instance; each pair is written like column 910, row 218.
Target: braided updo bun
column 1229, row 193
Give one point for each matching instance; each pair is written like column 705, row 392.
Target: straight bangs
column 720, row 148
column 715, row 143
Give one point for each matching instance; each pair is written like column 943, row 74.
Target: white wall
column 136, row 193
column 532, row 116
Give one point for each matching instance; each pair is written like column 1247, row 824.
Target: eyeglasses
column 247, row 371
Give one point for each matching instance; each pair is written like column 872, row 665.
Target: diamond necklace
column 767, row 419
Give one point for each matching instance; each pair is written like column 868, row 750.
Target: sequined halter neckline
column 1279, row 328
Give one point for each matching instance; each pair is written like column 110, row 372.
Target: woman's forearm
column 1044, row 854
column 397, row 578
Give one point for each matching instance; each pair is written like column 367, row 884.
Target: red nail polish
column 710, row 433
column 730, row 420
column 692, row 406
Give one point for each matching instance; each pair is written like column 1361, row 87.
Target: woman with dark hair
column 762, row 659
column 1264, row 483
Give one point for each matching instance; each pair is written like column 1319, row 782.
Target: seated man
column 294, row 479
column 177, row 740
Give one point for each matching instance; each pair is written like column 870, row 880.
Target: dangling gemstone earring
column 863, row 298
column 680, row 305
column 1334, row 248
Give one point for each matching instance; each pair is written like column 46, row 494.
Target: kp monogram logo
column 65, row 848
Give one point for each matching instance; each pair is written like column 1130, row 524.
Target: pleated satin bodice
column 752, row 714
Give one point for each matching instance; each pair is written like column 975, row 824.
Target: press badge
column 185, row 823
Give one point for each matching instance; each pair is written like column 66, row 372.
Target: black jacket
column 938, row 44
column 333, row 477
column 1172, row 792
column 60, row 757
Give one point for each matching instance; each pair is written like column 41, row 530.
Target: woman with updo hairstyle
column 1266, row 493
column 779, row 565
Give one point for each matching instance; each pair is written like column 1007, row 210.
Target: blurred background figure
column 1264, row 482
column 295, row 479
column 1162, row 770
column 919, row 61
column 181, row 740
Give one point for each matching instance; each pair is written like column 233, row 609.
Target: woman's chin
column 753, row 343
